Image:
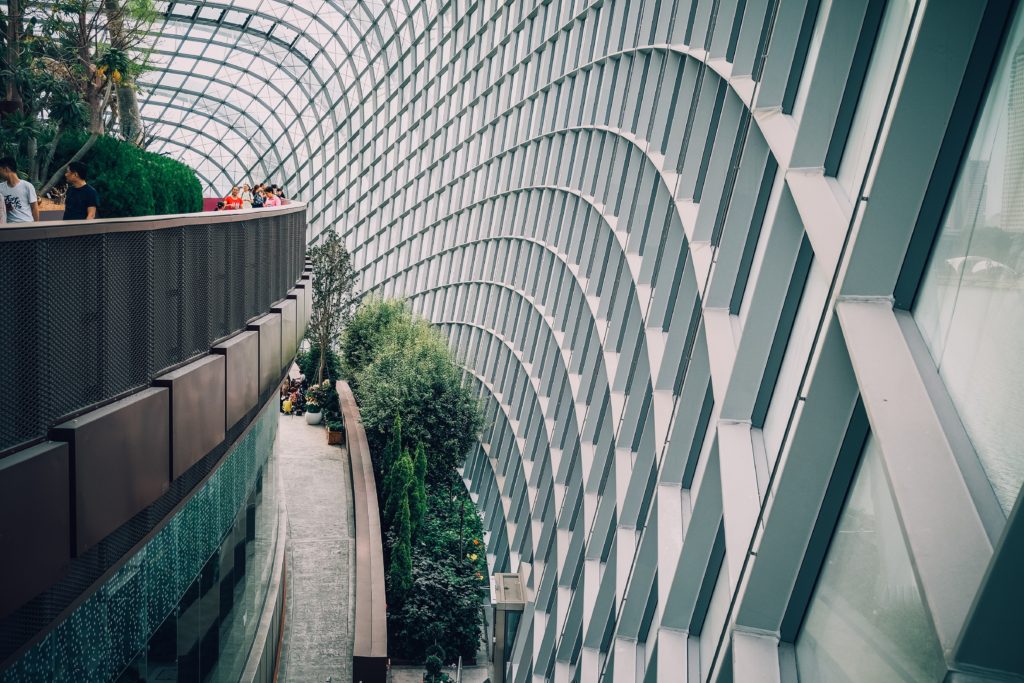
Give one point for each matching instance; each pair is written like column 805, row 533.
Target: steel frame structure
column 677, row 252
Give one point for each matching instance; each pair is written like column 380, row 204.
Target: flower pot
column 314, row 418
column 334, row 438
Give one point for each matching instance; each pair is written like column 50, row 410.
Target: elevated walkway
column 320, row 619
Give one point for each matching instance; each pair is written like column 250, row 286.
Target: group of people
column 245, row 197
column 21, row 204
column 293, row 395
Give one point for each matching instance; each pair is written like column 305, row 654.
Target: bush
column 443, row 605
column 376, row 323
column 309, row 361
column 410, row 391
column 132, row 181
column 415, row 376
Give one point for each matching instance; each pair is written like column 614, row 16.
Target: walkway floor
column 317, row 490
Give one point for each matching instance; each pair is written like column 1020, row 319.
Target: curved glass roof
column 254, row 90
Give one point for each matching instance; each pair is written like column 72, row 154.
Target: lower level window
column 867, row 620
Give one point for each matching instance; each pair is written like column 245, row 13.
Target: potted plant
column 317, row 396
column 335, row 430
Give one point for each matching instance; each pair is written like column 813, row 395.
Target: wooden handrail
column 371, row 626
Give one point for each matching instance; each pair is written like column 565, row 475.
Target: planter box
column 335, row 438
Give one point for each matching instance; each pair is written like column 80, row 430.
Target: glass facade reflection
column 867, row 620
column 971, row 305
column 185, row 606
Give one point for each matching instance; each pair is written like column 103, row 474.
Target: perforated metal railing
column 94, row 311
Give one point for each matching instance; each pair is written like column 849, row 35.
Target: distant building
column 1013, row 173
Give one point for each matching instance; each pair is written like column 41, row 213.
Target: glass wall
column 208, row 635
column 874, row 94
column 186, row 605
column 867, row 620
column 970, row 308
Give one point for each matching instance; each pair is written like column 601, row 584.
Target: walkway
column 318, row 627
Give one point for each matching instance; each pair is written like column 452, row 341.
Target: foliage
column 319, row 396
column 376, row 322
column 69, row 68
column 400, row 567
column 133, row 182
column 334, row 295
column 418, row 491
column 443, row 606
column 309, row 361
column 393, row 448
column 433, row 673
column 334, row 424
column 401, row 366
column 396, row 487
column 413, row 374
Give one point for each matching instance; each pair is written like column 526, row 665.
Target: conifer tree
column 393, row 450
column 397, row 487
column 400, row 570
column 418, row 491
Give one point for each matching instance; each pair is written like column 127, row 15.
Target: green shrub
column 400, row 567
column 418, row 491
column 309, row 361
column 132, row 181
column 413, row 374
column 376, row 323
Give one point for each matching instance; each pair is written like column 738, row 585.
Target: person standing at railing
column 82, row 200
column 272, row 200
column 19, row 197
column 233, row 200
column 246, row 196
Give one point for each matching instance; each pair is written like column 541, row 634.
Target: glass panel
column 714, row 621
column 971, row 305
column 874, row 94
column 867, row 620
column 813, row 50
column 186, row 606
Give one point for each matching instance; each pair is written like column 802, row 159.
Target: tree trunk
column 321, row 364
column 32, row 152
column 51, row 150
column 57, row 174
column 13, row 57
column 129, row 115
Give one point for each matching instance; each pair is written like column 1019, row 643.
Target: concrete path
column 315, row 479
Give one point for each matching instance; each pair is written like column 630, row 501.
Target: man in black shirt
column 82, row 199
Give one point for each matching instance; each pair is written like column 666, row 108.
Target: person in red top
column 233, row 200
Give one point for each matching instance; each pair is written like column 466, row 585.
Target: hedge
column 132, row 181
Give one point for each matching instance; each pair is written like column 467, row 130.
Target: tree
column 433, row 673
column 62, row 64
column 123, row 21
column 376, row 323
column 418, row 491
column 334, row 295
column 393, row 449
column 400, row 569
column 396, row 488
column 443, row 606
column 415, row 375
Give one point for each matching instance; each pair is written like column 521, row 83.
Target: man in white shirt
column 19, row 196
